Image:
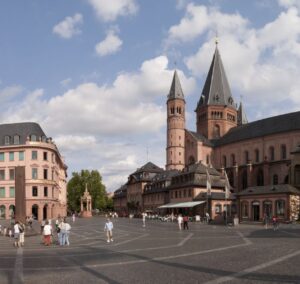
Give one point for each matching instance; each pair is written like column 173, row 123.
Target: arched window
column 280, row 208
column 271, row 153
column 244, row 209
column 232, row 158
column 216, row 133
column 283, row 152
column 6, row 140
column 2, row 212
column 260, row 178
column 244, row 180
column 224, row 161
column 16, row 139
column 256, row 155
column 33, row 138
column 246, row 157
column 275, row 179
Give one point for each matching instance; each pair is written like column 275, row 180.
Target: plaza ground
column 159, row 253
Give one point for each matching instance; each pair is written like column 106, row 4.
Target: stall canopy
column 182, row 204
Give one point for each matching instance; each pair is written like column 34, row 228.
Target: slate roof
column 216, row 90
column 146, row 172
column 200, row 137
column 269, row 189
column 241, row 115
column 175, row 90
column 272, row 125
column 214, row 195
column 23, row 129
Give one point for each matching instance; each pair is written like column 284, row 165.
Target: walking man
column 180, row 220
column 68, row 228
column 62, row 233
column 185, row 222
column 16, row 234
column 144, row 215
column 108, row 228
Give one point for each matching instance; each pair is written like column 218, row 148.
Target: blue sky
column 95, row 73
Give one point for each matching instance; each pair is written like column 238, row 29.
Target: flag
column 227, row 186
column 208, row 183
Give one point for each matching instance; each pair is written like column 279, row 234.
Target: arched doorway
column 12, row 211
column 45, row 209
column 267, row 209
column 2, row 212
column 255, row 210
column 35, row 211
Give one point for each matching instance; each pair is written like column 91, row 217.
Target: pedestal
column 86, row 214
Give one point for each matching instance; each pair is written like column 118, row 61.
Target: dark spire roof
column 175, row 90
column 241, row 115
column 216, row 90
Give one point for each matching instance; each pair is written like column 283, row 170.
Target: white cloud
column 109, row 10
column 69, row 26
column 261, row 64
column 9, row 93
column 289, row 3
column 111, row 44
column 65, row 82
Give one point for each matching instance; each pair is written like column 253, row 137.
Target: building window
column 44, row 139
column 33, row 138
column 184, row 193
column 12, row 174
column 232, row 158
column 45, row 174
column 2, row 157
column 2, row 174
column 260, row 177
column 11, row 156
column 190, row 193
column 216, row 132
column 283, row 152
column 11, row 191
column 218, row 208
column 176, row 194
column 2, row 192
column 21, row 156
column 16, row 139
column 34, row 173
column 271, row 153
column 224, row 162
column 45, row 191
column 275, row 179
column 245, row 209
column 244, row 180
column 179, row 193
column 6, row 140
column 34, row 191
column 34, row 155
column 45, row 156
column 280, row 208
column 256, row 155
column 246, row 156
column 207, row 159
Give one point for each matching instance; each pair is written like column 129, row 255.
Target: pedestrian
column 275, row 223
column 42, row 225
column 108, row 228
column 68, row 228
column 144, row 215
column 180, row 220
column 185, row 222
column 47, row 232
column 16, row 234
column 73, row 217
column 207, row 217
column 62, row 233
column 22, row 233
column 266, row 220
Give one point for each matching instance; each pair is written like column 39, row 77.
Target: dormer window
column 230, row 100
column 16, row 139
column 7, row 140
column 33, row 138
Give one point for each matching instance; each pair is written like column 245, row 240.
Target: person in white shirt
column 47, row 232
column 16, row 234
column 180, row 221
column 144, row 215
column 108, row 228
column 68, row 228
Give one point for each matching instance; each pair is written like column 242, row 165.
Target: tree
column 76, row 188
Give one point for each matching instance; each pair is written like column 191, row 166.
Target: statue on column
column 86, row 204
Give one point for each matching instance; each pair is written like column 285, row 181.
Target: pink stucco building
column 25, row 144
column 260, row 158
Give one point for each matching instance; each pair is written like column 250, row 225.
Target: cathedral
column 227, row 165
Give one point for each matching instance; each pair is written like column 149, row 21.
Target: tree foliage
column 76, row 188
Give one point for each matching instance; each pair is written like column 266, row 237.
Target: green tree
column 76, row 188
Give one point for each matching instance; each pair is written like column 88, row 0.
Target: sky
column 95, row 74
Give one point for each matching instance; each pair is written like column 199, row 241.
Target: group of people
column 62, row 231
column 273, row 220
column 17, row 231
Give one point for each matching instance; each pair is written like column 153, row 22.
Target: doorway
column 35, row 211
column 255, row 210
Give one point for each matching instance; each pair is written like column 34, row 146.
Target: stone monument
column 86, row 204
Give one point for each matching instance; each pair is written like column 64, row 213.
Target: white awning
column 182, row 204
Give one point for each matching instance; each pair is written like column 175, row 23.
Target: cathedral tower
column 175, row 126
column 216, row 110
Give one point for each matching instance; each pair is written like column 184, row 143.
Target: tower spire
column 175, row 90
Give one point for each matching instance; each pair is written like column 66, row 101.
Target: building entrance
column 255, row 211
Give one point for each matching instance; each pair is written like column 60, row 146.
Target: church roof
column 175, row 90
column 241, row 115
column 200, row 137
column 269, row 189
column 268, row 126
column 23, row 129
column 216, row 90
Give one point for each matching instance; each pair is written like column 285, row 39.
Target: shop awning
column 182, row 204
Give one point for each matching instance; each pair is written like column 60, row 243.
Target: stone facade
column 25, row 145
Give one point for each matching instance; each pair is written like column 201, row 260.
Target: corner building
column 261, row 158
column 25, row 144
